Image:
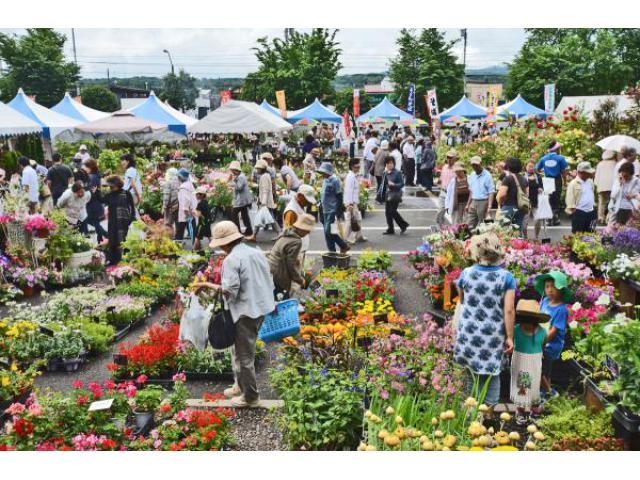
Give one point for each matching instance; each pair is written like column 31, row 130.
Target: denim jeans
column 492, row 396
column 331, row 238
column 516, row 216
column 101, row 233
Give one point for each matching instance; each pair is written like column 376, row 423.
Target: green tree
column 580, row 61
column 36, row 63
column 344, row 99
column 304, row 67
column 426, row 59
column 100, row 98
column 179, row 90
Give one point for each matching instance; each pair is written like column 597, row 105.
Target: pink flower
column 142, row 379
column 130, row 391
column 15, row 409
column 109, row 384
column 77, row 384
column 179, row 377
column 35, row 410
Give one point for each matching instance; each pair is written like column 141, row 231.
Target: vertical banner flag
column 411, row 99
column 225, row 96
column 432, row 104
column 356, row 102
column 492, row 101
column 282, row 103
column 550, row 97
column 347, row 123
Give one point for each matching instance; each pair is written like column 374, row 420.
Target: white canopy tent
column 240, row 117
column 588, row 104
column 13, row 123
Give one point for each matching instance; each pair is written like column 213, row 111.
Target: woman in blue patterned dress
column 487, row 316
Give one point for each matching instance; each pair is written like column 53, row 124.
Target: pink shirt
column 445, row 176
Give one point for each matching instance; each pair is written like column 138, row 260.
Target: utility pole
column 108, row 78
column 463, row 34
column 75, row 57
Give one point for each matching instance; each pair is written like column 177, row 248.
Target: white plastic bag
column 544, row 211
column 263, row 217
column 194, row 323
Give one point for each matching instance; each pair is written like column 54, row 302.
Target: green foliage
column 205, row 361
column 372, row 260
column 65, row 344
column 151, row 203
column 96, row 336
column 148, row 399
column 109, row 161
column 322, row 407
column 100, row 98
column 64, row 242
column 427, row 59
column 221, row 195
column 625, row 350
column 30, row 146
column 569, row 418
column 580, row 61
column 343, row 99
column 68, row 150
column 36, row 62
column 9, row 162
column 304, row 67
column 179, row 90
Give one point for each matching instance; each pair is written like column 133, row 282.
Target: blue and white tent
column 13, row 123
column 270, row 108
column 464, row 108
column 386, row 111
column 520, row 108
column 315, row 111
column 52, row 123
column 71, row 108
column 155, row 110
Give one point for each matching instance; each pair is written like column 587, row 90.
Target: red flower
column 109, row 384
column 209, row 397
column 165, row 408
column 112, row 367
column 210, row 435
column 77, row 384
column 142, row 379
column 23, row 427
column 82, row 400
column 108, row 444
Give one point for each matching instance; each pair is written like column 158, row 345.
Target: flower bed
column 64, row 421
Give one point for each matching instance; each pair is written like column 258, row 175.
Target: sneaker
column 362, row 240
column 241, row 402
column 521, row 419
column 388, row 232
column 404, row 229
column 553, row 393
column 232, row 391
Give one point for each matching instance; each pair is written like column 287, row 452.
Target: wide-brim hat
column 33, row 163
column 475, row 160
column 266, row 156
column 459, row 167
column 452, row 154
column 82, row 147
column 529, row 311
column 485, row 247
column 235, row 165
column 305, row 222
column 262, row 164
column 560, row 281
column 224, row 233
column 308, row 193
column 585, row 167
column 316, row 151
column 326, row 168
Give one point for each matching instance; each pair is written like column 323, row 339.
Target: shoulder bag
column 222, row 329
column 524, row 204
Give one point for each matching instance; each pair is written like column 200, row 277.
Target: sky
column 227, row 53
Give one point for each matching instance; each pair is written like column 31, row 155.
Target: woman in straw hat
column 247, row 288
column 266, row 203
column 457, row 194
column 485, row 328
column 242, row 197
column 526, row 362
column 284, row 258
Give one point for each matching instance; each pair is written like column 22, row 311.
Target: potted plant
column 30, row 280
column 66, row 350
column 39, row 226
column 145, row 404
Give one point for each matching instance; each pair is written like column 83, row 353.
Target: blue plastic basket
column 281, row 323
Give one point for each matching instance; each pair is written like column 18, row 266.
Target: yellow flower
column 504, row 448
column 14, row 367
column 5, row 381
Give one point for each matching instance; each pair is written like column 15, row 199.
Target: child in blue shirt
column 555, row 297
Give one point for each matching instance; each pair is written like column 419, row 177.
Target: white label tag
column 101, row 405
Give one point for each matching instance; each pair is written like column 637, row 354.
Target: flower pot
column 28, row 291
column 71, row 364
column 332, row 259
column 80, row 259
column 143, row 420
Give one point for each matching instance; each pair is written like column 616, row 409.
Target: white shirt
column 351, row 189
column 75, row 208
column 368, row 154
column 83, row 156
column 619, row 194
column 409, row 150
column 398, row 157
column 586, row 200
column 30, row 179
column 131, row 175
column 636, row 170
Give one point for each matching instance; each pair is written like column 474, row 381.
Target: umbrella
column 616, row 142
column 373, row 120
column 456, row 119
column 307, row 121
column 415, row 122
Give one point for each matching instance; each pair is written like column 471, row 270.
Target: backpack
column 429, row 157
column 524, row 203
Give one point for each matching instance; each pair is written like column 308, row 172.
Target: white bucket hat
column 224, row 233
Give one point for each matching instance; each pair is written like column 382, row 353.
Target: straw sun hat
column 224, row 233
column 305, row 222
column 486, row 249
column 529, row 311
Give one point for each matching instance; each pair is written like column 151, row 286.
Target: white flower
column 576, row 306
column 603, row 299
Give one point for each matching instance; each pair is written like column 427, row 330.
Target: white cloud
column 227, row 52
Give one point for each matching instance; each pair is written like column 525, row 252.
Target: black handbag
column 222, row 330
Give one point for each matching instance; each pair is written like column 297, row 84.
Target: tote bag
column 222, row 329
